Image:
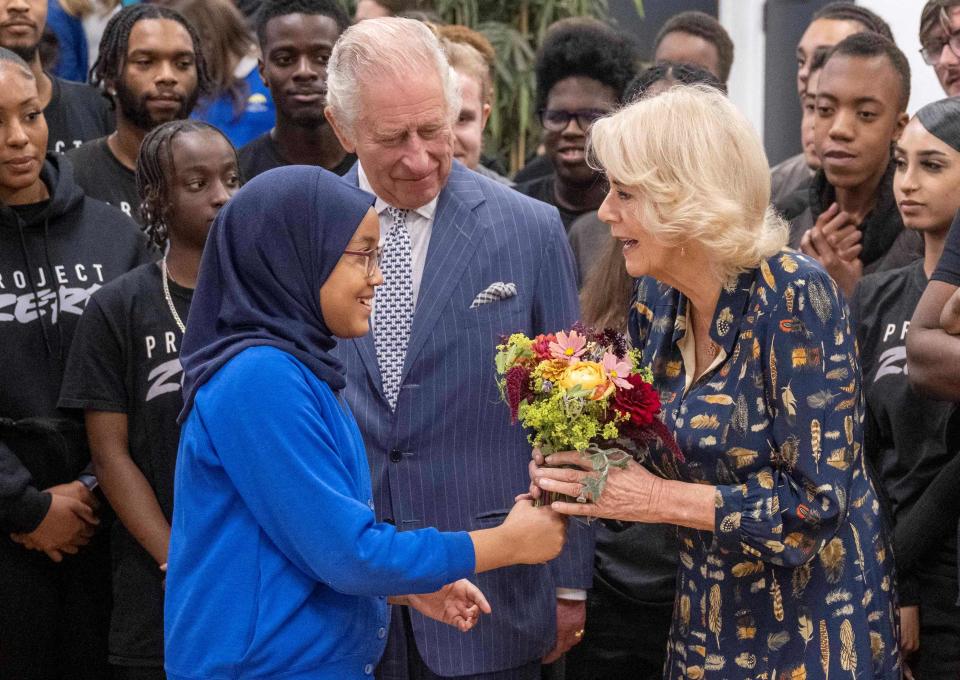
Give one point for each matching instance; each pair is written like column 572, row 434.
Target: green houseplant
column 515, row 28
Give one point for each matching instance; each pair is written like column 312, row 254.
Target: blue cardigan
column 277, row 566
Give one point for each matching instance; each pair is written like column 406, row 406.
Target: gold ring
column 578, row 634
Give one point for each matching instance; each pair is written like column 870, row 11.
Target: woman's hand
column 631, row 494
column 458, row 604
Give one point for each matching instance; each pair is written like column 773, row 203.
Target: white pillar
column 743, row 20
column 904, row 19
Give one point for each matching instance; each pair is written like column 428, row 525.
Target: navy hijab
column 269, row 251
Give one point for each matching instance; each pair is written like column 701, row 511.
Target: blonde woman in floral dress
column 785, row 568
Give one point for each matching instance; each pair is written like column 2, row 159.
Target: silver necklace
column 166, row 294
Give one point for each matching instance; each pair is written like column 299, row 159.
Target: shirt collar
column 426, row 211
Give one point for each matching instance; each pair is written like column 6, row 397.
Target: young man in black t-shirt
column 124, row 371
column 151, row 65
column 582, row 71
column 296, row 38
column 75, row 112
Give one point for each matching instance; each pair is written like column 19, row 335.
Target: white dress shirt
column 419, row 226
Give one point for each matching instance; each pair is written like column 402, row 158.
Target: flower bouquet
column 581, row 390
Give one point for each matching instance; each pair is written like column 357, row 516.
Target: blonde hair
column 701, row 173
column 467, row 58
column 81, row 8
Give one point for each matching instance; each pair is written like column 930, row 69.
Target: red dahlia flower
column 641, row 404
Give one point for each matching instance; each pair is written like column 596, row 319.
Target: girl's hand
column 458, row 604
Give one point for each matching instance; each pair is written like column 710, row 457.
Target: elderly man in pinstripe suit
column 465, row 261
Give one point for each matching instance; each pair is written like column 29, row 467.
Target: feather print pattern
column 781, row 589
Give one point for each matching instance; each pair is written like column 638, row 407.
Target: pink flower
column 617, row 370
column 568, row 347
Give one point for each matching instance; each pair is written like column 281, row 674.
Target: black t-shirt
column 536, row 167
column 948, row 268
column 126, row 359
column 103, row 177
column 542, row 189
column 76, row 114
column 261, row 154
column 904, row 431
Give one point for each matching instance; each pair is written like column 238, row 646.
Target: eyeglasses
column 932, row 51
column 373, row 256
column 556, row 120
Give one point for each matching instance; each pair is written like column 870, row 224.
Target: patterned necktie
column 394, row 305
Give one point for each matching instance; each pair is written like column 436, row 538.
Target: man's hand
column 458, row 604
column 835, row 242
column 67, row 526
column 571, row 618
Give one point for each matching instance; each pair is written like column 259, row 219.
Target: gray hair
column 390, row 47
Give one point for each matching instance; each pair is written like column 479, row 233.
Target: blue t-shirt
column 256, row 117
column 278, row 567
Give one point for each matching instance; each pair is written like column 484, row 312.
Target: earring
column 683, row 251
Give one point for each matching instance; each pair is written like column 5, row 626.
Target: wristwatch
column 89, row 481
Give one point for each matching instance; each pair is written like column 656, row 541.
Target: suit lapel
column 454, row 239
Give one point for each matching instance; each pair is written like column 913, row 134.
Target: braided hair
column 154, row 170
column 116, row 40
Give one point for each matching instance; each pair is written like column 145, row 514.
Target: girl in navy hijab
column 277, row 566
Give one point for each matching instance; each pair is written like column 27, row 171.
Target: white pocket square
column 494, row 293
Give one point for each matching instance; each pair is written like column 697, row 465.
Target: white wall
column 743, row 20
column 904, row 18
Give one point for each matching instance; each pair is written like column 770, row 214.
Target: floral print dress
column 796, row 582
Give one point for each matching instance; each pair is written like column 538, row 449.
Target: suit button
column 389, row 520
column 396, row 456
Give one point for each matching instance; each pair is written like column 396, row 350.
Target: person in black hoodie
column 56, row 248
column 851, row 223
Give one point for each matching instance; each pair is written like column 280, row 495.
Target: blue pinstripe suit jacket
column 448, row 456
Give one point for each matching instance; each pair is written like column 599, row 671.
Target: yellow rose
column 589, row 375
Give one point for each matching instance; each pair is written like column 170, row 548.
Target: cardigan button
column 368, row 669
column 382, row 633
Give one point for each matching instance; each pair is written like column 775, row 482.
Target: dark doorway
column 656, row 13
column 784, row 22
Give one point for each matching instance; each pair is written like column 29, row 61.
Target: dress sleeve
column 282, row 455
column 785, row 513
